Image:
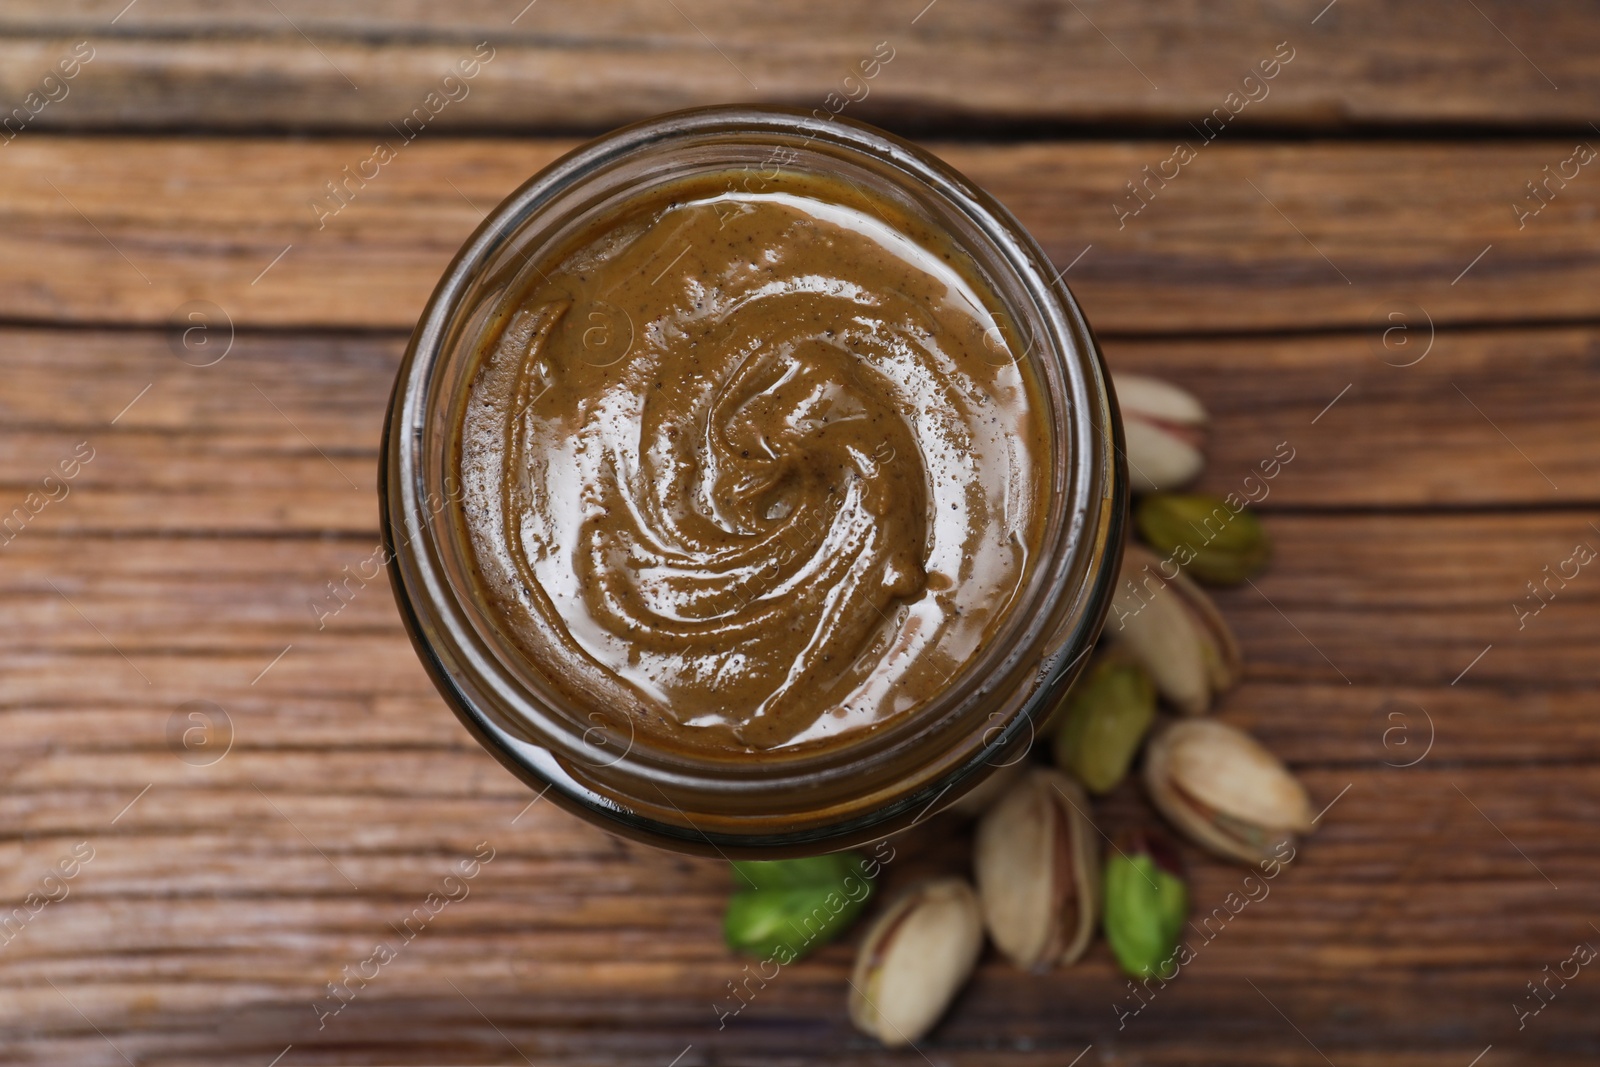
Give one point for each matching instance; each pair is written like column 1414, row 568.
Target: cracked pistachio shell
column 1036, row 858
column 1224, row 791
column 1171, row 627
column 914, row 960
column 1204, row 535
column 1164, row 428
column 1106, row 715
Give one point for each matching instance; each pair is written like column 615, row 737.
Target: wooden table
column 1351, row 265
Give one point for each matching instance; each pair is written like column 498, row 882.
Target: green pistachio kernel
column 785, row 909
column 1146, row 904
column 1106, row 715
column 1205, row 536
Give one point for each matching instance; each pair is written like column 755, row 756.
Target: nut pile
column 1043, row 883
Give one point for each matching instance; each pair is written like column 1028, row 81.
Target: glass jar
column 774, row 804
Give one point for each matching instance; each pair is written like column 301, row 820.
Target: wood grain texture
column 1368, row 599
column 281, row 436
column 192, row 549
column 561, row 64
column 1247, row 237
column 1373, row 304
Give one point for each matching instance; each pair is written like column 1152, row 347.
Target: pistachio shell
column 981, row 797
column 914, row 960
column 1175, row 632
column 1222, row 789
column 1157, row 399
column 1205, row 535
column 1106, row 714
column 1036, row 858
column 1163, row 427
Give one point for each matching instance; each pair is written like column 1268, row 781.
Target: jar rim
column 1049, row 627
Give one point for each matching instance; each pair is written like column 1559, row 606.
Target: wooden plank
column 568, row 65
column 1247, row 237
column 1433, row 418
column 281, row 436
column 175, row 923
column 178, row 921
column 1351, row 600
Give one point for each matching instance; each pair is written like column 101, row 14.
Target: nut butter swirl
column 745, row 471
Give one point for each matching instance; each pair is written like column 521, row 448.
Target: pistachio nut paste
column 743, row 471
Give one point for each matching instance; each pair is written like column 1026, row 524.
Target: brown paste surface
column 743, row 471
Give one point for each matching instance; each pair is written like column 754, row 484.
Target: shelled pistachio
column 914, row 959
column 1204, row 535
column 1036, row 858
column 788, row 908
column 1146, row 903
column 1106, row 715
column 1224, row 791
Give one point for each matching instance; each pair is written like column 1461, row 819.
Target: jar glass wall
column 777, row 802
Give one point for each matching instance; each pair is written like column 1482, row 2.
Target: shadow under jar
column 751, row 484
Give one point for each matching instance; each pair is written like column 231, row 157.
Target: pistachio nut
column 914, row 960
column 1146, row 903
column 981, row 797
column 1036, row 858
column 1164, row 428
column 789, row 908
column 1170, row 626
column 1224, row 791
column 1204, row 535
column 800, row 873
column 1107, row 712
